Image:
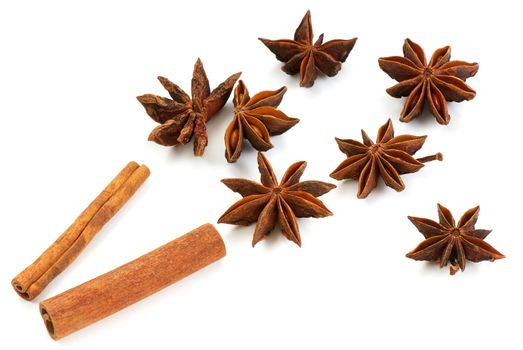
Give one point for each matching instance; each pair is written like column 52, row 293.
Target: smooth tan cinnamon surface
column 33, row 279
column 129, row 283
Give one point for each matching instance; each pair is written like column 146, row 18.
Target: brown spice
column 269, row 201
column 437, row 82
column 447, row 242
column 302, row 56
column 129, row 283
column 256, row 119
column 30, row 282
column 389, row 158
column 184, row 117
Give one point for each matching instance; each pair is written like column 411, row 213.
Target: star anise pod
column 389, row 158
column 256, row 119
column 269, row 201
column 447, row 242
column 301, row 55
column 183, row 117
column 439, row 81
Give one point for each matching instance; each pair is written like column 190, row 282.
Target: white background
column 69, row 75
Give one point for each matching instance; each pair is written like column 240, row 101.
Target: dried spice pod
column 447, row 242
column 183, row 117
column 437, row 82
column 270, row 202
column 302, row 56
column 256, row 119
column 388, row 158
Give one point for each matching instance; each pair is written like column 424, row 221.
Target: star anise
column 439, row 81
column 256, row 119
column 389, row 157
column 181, row 117
column 269, row 201
column 447, row 242
column 301, row 55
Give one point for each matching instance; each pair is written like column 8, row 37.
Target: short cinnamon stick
column 129, row 283
column 31, row 281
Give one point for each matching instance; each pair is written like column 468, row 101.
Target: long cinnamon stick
column 129, row 283
column 32, row 280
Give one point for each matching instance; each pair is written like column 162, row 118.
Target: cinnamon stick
column 129, row 283
column 30, row 282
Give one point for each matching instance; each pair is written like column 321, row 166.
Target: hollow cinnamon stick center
column 32, row 280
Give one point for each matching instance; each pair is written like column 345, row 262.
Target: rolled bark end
column 108, row 293
column 48, row 322
column 20, row 291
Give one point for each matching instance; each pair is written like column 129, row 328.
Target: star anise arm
column 405, row 87
column 287, row 221
column 161, row 109
column 453, row 88
column 338, row 49
column 468, row 219
column 266, row 220
column 477, row 250
column 326, row 64
column 446, row 218
column 284, row 49
column 351, row 147
column 414, row 104
column 308, row 71
column 459, row 69
column 256, row 132
column 430, row 249
column 368, row 179
column 401, row 161
column 303, row 33
column 406, row 143
column 266, row 98
column 440, row 57
column 233, row 140
column 351, row 167
column 176, row 92
column 415, row 53
column 167, row 133
column 427, row 227
column 460, row 257
column 273, row 119
column 437, row 103
column 385, row 132
column 267, row 177
column 200, row 88
column 315, row 188
column 481, row 234
column 219, row 96
column 293, row 174
column 399, row 68
column 390, row 176
column 305, row 205
column 245, row 211
column 245, row 187
column 200, row 137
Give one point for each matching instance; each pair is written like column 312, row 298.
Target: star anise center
column 427, row 72
column 375, row 149
column 455, row 232
column 277, row 190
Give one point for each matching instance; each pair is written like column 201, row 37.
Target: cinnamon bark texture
column 31, row 281
column 129, row 283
